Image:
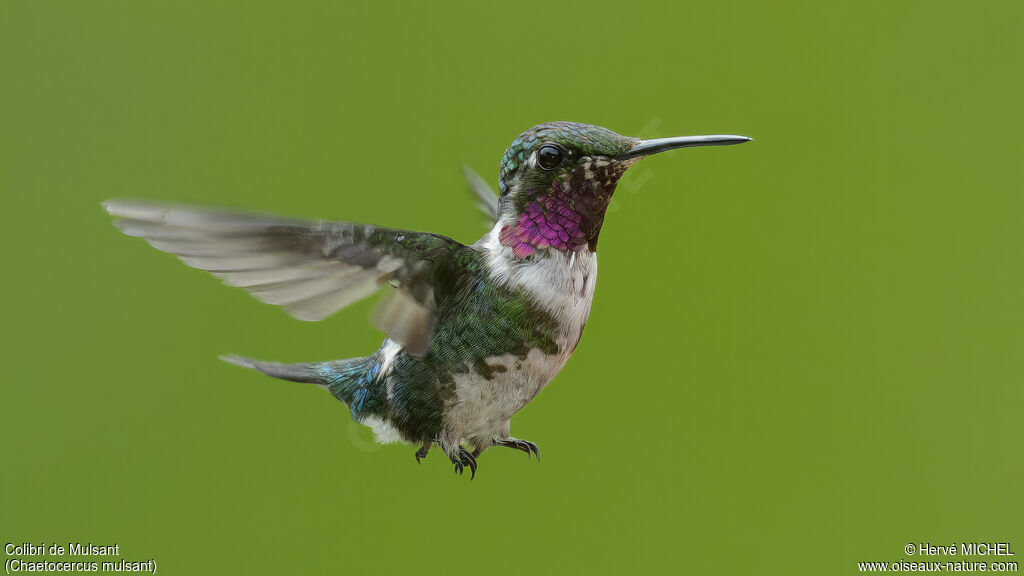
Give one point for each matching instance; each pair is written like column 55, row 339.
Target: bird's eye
column 549, row 157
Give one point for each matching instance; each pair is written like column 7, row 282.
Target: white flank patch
column 388, row 352
column 383, row 432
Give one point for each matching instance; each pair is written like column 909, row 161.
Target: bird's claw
column 521, row 445
column 422, row 452
column 461, row 459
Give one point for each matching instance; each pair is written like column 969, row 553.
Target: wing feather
column 311, row 268
column 486, row 199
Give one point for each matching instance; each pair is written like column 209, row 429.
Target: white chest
column 561, row 283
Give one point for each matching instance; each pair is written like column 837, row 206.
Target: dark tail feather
column 336, row 375
column 294, row 372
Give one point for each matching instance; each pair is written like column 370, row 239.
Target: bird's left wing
column 311, row 268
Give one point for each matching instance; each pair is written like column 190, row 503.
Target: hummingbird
column 474, row 332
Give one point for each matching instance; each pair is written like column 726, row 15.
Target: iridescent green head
column 553, row 149
column 556, row 180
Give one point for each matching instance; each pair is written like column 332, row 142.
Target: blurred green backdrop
column 804, row 351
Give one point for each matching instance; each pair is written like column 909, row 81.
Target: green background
column 804, row 352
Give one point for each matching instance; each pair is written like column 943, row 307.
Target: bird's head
column 557, row 179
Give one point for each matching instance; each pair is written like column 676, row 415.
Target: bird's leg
column 422, row 452
column 521, row 445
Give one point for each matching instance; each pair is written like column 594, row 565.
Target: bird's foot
column 521, row 445
column 461, row 458
column 422, row 452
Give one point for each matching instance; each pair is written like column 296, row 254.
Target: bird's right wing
column 311, row 268
column 486, row 199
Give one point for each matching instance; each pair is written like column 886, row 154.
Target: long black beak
column 648, row 147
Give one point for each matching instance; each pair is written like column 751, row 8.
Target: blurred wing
column 486, row 199
column 311, row 268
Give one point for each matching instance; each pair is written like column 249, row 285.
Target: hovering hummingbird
column 473, row 332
